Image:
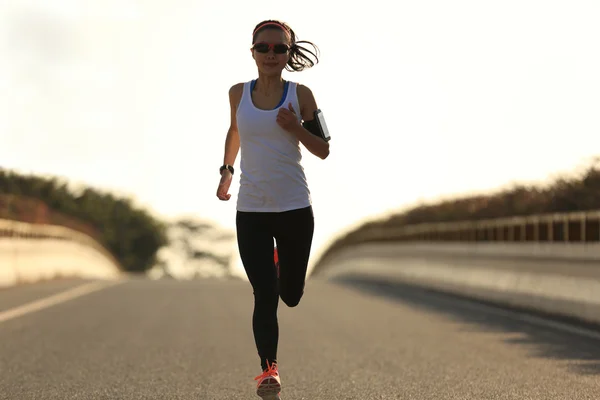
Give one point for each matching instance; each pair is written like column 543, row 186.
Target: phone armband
column 317, row 126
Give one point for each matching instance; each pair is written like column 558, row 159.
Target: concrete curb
column 558, row 293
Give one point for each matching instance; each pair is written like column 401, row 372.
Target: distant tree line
column 579, row 192
column 130, row 233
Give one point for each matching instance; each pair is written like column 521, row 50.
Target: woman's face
column 273, row 61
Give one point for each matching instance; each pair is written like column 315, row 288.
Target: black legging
column 293, row 232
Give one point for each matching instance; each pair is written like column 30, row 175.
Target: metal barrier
column 559, row 227
column 22, row 230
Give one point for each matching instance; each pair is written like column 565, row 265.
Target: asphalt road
column 192, row 340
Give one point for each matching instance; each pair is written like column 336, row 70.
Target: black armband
column 317, row 126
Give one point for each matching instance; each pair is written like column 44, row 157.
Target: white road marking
column 58, row 298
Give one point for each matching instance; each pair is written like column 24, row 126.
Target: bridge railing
column 567, row 227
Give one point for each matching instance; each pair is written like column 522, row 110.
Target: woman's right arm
column 232, row 141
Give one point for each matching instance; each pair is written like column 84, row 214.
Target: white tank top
column 272, row 178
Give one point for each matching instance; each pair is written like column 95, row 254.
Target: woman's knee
column 266, row 297
column 291, row 298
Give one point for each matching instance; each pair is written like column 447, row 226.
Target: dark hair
column 298, row 59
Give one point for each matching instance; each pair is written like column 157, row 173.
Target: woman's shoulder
column 307, row 101
column 235, row 92
column 304, row 91
column 237, row 89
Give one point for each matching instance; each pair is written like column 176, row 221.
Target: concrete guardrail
column 547, row 263
column 32, row 252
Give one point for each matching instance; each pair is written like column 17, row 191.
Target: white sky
column 423, row 99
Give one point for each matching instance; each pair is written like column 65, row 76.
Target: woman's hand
column 224, row 184
column 287, row 119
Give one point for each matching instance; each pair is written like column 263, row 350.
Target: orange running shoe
column 269, row 383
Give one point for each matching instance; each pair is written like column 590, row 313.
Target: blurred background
column 114, row 115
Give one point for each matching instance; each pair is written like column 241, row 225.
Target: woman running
column 270, row 117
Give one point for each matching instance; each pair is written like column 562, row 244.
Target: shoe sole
column 269, row 389
column 273, row 397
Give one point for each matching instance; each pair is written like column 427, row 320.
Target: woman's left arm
column 308, row 106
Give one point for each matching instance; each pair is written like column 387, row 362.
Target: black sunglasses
column 278, row 48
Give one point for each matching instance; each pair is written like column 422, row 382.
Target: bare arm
column 308, row 106
column 232, row 141
column 232, row 144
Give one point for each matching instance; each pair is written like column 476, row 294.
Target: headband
column 271, row 23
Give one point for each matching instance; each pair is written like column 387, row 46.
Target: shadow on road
column 583, row 352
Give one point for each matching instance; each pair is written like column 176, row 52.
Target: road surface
column 142, row 339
